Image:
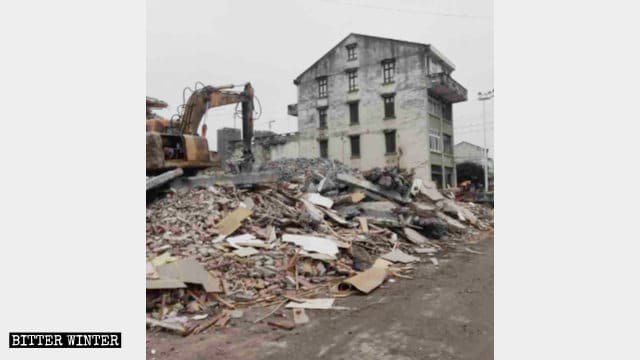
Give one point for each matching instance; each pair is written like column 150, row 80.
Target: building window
column 355, row 146
column 436, row 175
column 436, row 108
column 390, row 141
column 353, row 79
column 388, row 70
column 389, row 106
column 446, row 144
column 434, row 67
column 322, row 87
column 351, row 52
column 446, row 111
column 322, row 115
column 435, row 143
column 353, row 113
column 324, row 148
column 448, row 176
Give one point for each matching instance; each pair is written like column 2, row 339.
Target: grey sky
column 269, row 43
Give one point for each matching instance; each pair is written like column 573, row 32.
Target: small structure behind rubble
column 266, row 146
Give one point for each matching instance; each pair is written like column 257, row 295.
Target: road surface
column 445, row 312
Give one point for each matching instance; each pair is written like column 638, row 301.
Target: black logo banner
column 65, row 340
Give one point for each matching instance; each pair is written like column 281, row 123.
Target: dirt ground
column 444, row 312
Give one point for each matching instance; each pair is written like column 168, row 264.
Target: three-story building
column 373, row 101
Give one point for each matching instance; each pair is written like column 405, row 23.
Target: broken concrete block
column 423, row 209
column 190, row 271
column 245, row 251
column 316, row 214
column 300, row 317
column 397, row 255
column 321, row 303
column 282, row 323
column 379, row 209
column 452, row 224
column 319, row 200
column 367, row 185
column 414, row 236
column 431, row 193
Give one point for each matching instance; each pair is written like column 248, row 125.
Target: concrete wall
column 225, row 137
column 269, row 148
column 410, row 88
column 465, row 152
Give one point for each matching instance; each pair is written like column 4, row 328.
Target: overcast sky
column 269, row 43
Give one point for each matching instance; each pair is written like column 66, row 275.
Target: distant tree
column 470, row 171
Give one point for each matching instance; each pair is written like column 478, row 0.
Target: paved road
column 444, row 313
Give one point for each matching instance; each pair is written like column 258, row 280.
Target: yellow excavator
column 175, row 143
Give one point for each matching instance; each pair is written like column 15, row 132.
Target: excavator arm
column 208, row 97
column 177, row 144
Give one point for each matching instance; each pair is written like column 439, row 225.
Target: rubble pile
column 289, row 168
column 390, row 179
column 322, row 231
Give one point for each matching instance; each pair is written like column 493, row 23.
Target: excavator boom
column 208, row 97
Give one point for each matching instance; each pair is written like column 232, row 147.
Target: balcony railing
column 442, row 85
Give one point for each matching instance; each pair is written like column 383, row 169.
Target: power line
column 413, row 11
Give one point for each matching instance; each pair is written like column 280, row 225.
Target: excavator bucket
column 197, row 148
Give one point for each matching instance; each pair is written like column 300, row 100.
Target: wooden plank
column 371, row 278
column 233, row 220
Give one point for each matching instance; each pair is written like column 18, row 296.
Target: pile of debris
column 319, row 232
column 389, row 179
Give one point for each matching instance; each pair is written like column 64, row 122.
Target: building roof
column 468, row 143
column 429, row 47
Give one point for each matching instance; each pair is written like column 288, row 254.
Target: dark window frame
column 354, row 154
column 446, row 111
column 389, row 102
column 352, row 54
column 447, row 143
column 323, row 87
column 390, row 134
column 352, row 79
column 351, row 105
column 324, row 154
column 388, row 71
column 322, row 120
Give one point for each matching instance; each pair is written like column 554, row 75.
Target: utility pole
column 271, row 121
column 484, row 97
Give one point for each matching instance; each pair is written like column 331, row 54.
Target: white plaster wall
column 410, row 87
column 290, row 149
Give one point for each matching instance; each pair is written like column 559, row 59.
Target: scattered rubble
column 315, row 232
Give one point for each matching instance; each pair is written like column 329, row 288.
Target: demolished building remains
column 297, row 235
